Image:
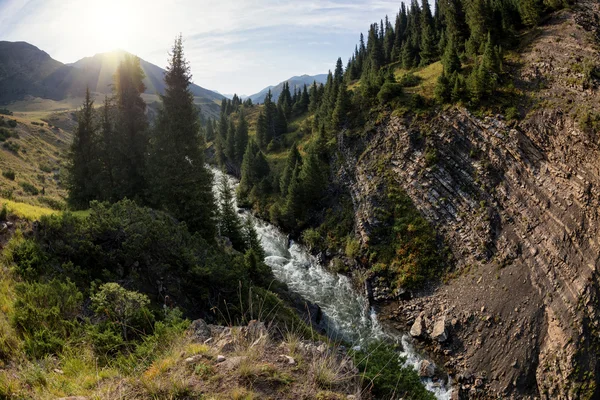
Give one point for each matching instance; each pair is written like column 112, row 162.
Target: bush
column 45, row 315
column 122, row 308
column 29, row 188
column 409, row 80
column 12, row 147
column 9, row 174
column 52, row 203
column 4, row 134
column 12, row 123
column 512, row 113
column 389, row 91
column 45, row 167
column 4, row 111
column 4, row 213
column 352, row 248
column 27, row 256
column 383, row 372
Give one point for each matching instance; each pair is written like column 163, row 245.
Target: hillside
column 27, row 72
column 296, row 82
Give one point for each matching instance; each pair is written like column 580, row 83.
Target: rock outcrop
column 517, row 202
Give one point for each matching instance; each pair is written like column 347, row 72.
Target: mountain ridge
column 26, row 70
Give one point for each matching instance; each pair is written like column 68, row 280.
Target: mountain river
column 346, row 313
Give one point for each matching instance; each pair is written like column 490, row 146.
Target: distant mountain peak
column 295, row 82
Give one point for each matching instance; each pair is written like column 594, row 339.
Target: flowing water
column 346, row 313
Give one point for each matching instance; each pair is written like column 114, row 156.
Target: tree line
column 116, row 153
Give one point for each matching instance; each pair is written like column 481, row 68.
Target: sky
column 233, row 46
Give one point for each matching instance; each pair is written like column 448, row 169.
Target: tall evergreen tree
column 180, row 183
column 84, row 157
column 339, row 116
column 241, row 138
column 293, row 159
column 132, row 127
column 230, row 225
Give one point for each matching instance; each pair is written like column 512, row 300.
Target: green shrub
column 45, row 315
column 383, row 372
column 12, row 147
column 431, row 157
column 352, row 248
column 12, row 123
column 409, row 80
column 27, row 256
column 4, row 134
column 512, row 113
column 312, row 238
column 3, row 213
column 52, row 203
column 29, row 188
column 4, row 111
column 45, row 167
column 389, row 91
column 9, row 174
column 123, row 308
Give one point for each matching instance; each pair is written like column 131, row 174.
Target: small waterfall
column 347, row 313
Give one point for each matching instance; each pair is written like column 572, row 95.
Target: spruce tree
column 230, row 225
column 180, row 183
column 132, row 130
column 530, row 11
column 83, row 157
column 241, row 138
column 293, row 159
column 106, row 187
column 339, row 116
column 230, row 142
column 252, row 240
column 451, row 61
column 313, row 180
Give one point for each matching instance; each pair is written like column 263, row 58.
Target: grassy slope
column 39, row 160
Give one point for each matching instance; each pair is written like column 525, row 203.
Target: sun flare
column 113, row 24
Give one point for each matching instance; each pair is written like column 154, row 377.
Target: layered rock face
column 518, row 205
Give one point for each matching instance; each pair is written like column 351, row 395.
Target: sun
column 113, row 24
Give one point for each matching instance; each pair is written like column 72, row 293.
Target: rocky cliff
column 518, row 204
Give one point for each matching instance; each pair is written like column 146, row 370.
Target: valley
column 421, row 222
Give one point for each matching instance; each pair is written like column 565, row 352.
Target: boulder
column 418, row 328
column 200, row 330
column 220, row 358
column 194, row 359
column 439, row 330
column 256, row 330
column 426, row 369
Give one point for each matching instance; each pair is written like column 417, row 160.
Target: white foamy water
column 346, row 313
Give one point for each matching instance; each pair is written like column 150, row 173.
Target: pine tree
column 83, row 157
column 241, row 138
column 451, row 61
column 209, row 131
column 530, row 11
column 339, row 116
column 313, row 180
column 477, row 13
column 106, row 187
column 230, row 225
column 443, row 89
column 293, row 200
column 180, row 183
column 293, row 159
column 252, row 240
column 262, row 131
column 338, row 75
column 230, row 142
column 132, row 129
